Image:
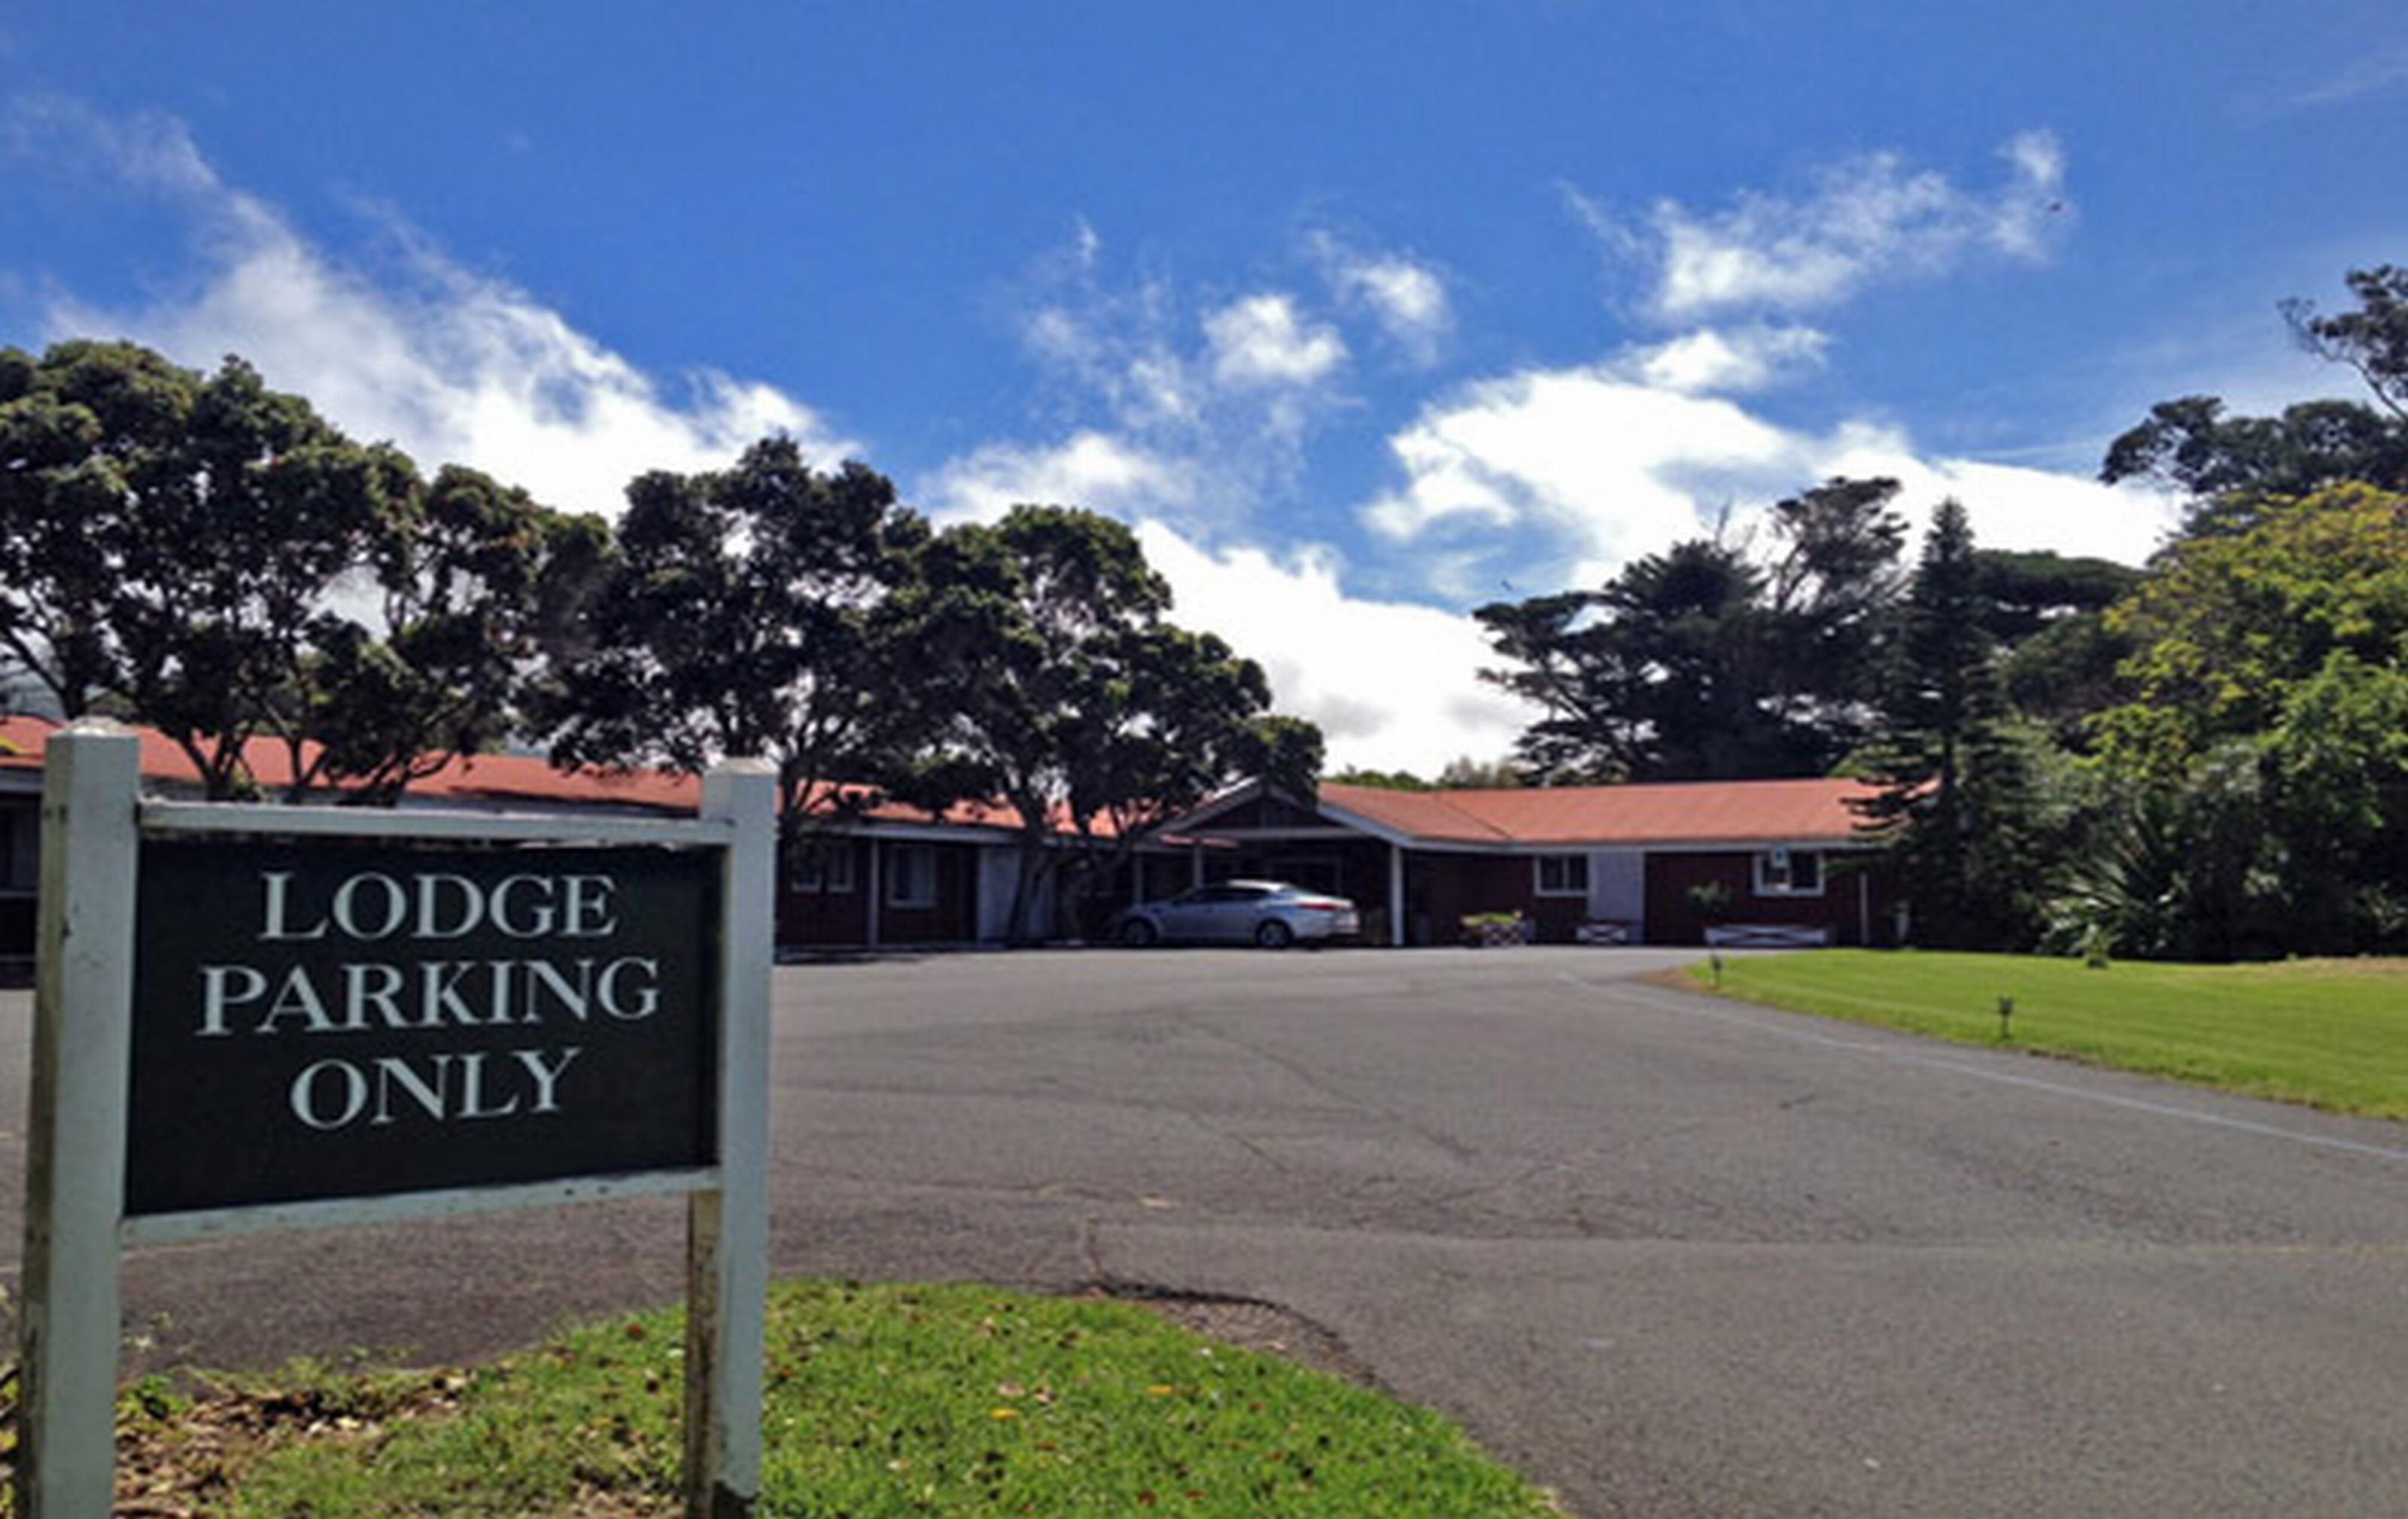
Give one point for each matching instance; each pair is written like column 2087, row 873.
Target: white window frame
column 825, row 866
column 1785, row 860
column 900, row 877
column 1539, row 875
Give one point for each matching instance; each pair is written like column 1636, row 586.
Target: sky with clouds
column 1363, row 318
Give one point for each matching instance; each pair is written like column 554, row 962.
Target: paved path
column 1673, row 1256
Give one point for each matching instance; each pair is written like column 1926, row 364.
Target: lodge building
column 1769, row 861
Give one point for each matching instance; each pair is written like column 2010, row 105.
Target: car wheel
column 1274, row 935
column 1137, row 934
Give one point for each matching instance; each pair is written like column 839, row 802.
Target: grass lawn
column 881, row 1401
column 2332, row 1033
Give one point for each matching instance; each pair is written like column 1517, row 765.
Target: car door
column 1189, row 915
column 1234, row 916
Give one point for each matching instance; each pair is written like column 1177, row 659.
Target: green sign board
column 324, row 1020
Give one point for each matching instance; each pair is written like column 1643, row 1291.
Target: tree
column 762, row 609
column 2226, row 465
column 1954, row 807
column 2228, row 626
column 2373, row 340
column 481, row 594
column 1702, row 663
column 215, row 558
column 70, row 424
column 2263, row 737
column 1464, row 773
column 1380, row 780
column 177, row 543
column 1070, row 696
column 2048, row 614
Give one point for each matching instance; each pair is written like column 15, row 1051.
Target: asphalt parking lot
column 1670, row 1256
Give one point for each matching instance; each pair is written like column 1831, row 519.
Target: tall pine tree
column 1955, row 801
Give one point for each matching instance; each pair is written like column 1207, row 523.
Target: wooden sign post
column 252, row 1017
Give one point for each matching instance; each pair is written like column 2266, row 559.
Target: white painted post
column 76, row 1149
column 727, row 1230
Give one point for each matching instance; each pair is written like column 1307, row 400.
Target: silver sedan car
column 1272, row 914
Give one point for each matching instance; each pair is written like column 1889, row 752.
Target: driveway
column 1670, row 1256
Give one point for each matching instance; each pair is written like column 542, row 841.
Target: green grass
column 956, row 1400
column 2332, row 1033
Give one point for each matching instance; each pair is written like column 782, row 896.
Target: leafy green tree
column 78, row 430
column 1070, row 697
column 1464, row 773
column 2228, row 625
column 2048, row 614
column 2371, row 340
column 1955, row 807
column 481, row 592
column 214, row 558
column 1702, row 662
column 176, row 542
column 2261, row 742
column 2180, row 869
column 2228, row 465
column 765, row 610
column 1382, row 780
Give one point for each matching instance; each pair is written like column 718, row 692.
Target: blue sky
column 1363, row 315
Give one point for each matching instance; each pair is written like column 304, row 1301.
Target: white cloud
column 451, row 364
column 1618, row 466
column 1611, row 466
column 1092, row 469
column 1729, row 359
column 1260, row 340
column 1391, row 683
column 2375, row 71
column 1407, row 298
column 1868, row 218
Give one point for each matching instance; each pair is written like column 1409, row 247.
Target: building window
column 910, row 876
column 824, row 865
column 1563, row 876
column 1789, row 872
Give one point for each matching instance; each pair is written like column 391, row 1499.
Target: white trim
column 1762, row 858
column 895, row 880
column 1214, row 806
column 1539, row 886
column 379, row 823
column 814, row 858
column 335, row 1212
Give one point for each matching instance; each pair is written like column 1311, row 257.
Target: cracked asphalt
column 1670, row 1256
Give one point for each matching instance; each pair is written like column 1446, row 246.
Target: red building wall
column 821, row 917
column 1852, row 901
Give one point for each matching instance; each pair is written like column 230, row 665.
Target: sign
column 253, row 1017
column 336, row 1019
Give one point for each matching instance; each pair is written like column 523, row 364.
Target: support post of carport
column 1396, row 896
column 877, row 891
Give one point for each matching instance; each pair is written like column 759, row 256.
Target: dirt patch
column 1252, row 1325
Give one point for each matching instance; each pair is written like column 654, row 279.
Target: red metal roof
column 490, row 779
column 1686, row 812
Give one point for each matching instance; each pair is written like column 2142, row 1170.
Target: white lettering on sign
column 388, row 990
column 331, row 1095
column 437, row 905
column 370, row 995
